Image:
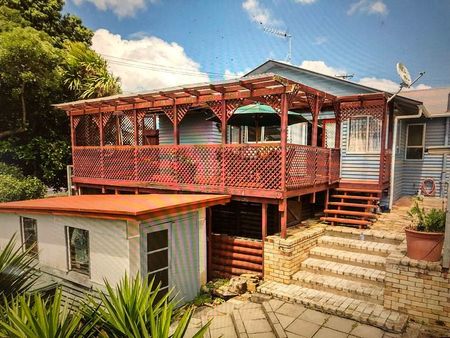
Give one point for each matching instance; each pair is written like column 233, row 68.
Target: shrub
column 428, row 221
column 6, row 169
column 16, row 189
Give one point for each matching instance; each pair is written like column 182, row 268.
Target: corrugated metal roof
column 137, row 207
column 436, row 100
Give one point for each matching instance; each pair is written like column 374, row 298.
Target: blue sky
column 157, row 43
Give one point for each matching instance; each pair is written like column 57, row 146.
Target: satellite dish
column 403, row 72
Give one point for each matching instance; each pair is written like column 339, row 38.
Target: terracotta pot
column 425, row 246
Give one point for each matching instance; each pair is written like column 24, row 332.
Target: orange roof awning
column 120, row 207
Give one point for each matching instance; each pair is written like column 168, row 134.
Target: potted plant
column 425, row 236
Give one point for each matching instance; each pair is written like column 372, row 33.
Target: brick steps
column 356, row 245
column 378, row 236
column 340, row 286
column 346, row 271
column 358, row 259
column 362, row 311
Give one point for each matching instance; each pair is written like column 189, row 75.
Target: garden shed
column 89, row 238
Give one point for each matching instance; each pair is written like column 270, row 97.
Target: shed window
column 262, row 134
column 78, row 250
column 415, row 140
column 29, row 234
column 364, row 135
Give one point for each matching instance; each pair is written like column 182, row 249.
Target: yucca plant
column 17, row 269
column 131, row 309
column 33, row 316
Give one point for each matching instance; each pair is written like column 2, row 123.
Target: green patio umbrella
column 259, row 115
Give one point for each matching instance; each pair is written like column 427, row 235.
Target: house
column 82, row 240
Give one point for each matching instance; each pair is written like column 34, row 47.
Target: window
column 29, row 234
column 262, row 134
column 78, row 250
column 415, row 139
column 364, row 135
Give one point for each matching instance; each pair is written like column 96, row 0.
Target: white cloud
column 155, row 62
column 305, row 2
column 122, row 8
column 258, row 13
column 388, row 85
column 229, row 75
column 368, row 7
column 321, row 67
column 320, row 40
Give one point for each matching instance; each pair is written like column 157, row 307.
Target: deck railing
column 249, row 166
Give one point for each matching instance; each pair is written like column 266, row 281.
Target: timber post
column 282, row 208
column 382, row 146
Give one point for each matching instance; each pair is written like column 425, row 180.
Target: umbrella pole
column 256, row 129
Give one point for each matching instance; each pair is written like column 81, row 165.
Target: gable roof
column 326, row 83
column 436, row 100
column 120, row 207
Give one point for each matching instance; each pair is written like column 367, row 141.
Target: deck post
column 176, row 131
column 223, row 109
column 382, row 146
column 315, row 121
column 337, row 135
column 282, row 208
column 264, row 221
column 284, row 130
column 209, row 243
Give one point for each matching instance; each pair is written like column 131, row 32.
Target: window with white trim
column 415, row 141
column 364, row 135
column 29, row 234
column 78, row 250
column 262, row 134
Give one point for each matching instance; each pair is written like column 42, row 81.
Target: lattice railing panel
column 156, row 164
column 118, row 163
column 87, row 162
column 86, row 129
column 253, row 166
column 231, row 166
column 335, row 165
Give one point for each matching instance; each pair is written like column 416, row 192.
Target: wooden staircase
column 354, row 207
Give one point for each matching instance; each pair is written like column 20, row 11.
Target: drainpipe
column 394, row 151
column 444, row 158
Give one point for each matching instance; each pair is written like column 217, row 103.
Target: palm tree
column 132, row 309
column 86, row 73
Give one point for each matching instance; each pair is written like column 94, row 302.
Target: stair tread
column 354, row 197
column 338, row 283
column 368, row 191
column 354, row 205
column 346, row 220
column 369, row 246
column 349, row 256
column 350, row 213
column 362, row 311
column 344, row 269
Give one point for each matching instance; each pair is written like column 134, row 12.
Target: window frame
column 423, row 142
column 68, row 252
column 366, row 152
column 35, row 251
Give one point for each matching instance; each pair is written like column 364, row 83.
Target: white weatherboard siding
column 108, row 244
column 357, row 166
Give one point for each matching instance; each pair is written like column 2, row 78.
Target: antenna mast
column 283, row 35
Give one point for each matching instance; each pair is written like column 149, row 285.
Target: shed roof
column 121, row 207
column 436, row 100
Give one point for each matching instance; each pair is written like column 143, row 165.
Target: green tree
column 45, row 15
column 85, row 73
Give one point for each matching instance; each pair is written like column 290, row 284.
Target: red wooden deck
column 240, row 169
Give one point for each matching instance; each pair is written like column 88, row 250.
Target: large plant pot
column 425, row 246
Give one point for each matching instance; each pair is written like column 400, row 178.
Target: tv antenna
column 404, row 75
column 283, row 35
column 345, row 76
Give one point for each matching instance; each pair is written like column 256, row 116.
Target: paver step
column 354, row 197
column 366, row 191
column 362, row 311
column 347, row 271
column 353, row 205
column 373, row 235
column 340, row 286
column 354, row 258
column 358, row 245
column 350, row 213
column 346, row 220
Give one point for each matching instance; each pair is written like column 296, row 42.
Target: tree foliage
column 45, row 58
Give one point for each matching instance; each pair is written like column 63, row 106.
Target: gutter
column 394, row 151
